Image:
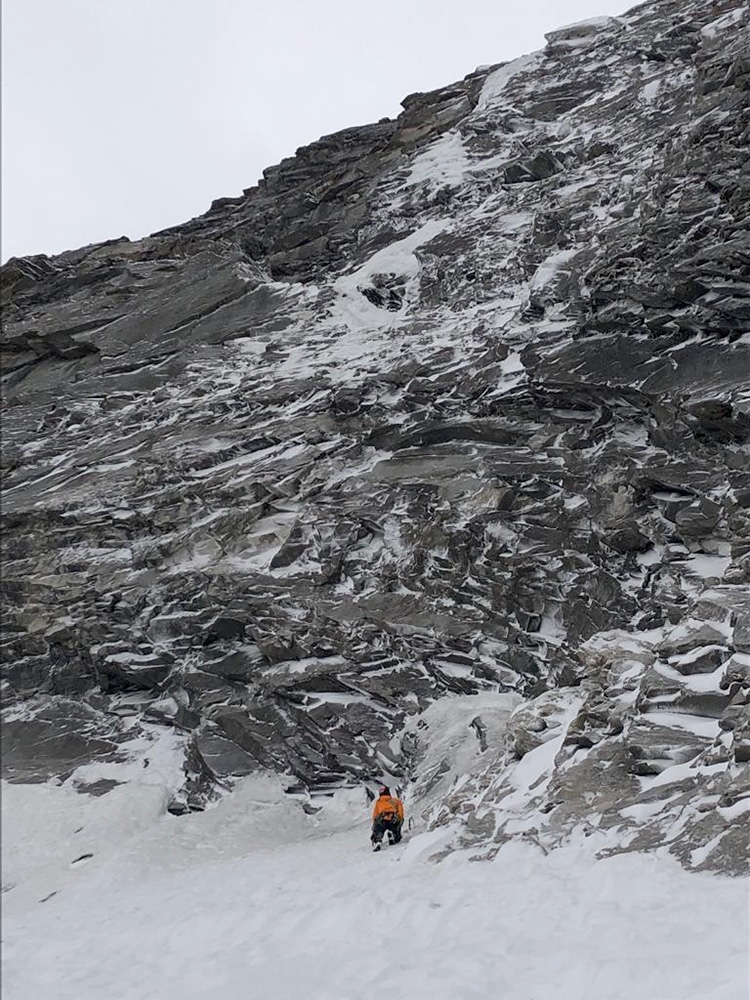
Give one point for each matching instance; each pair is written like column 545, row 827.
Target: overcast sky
column 122, row 117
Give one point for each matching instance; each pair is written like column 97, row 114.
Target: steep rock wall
column 449, row 404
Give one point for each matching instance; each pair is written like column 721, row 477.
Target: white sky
column 121, row 117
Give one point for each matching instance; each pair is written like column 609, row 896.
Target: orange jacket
column 388, row 804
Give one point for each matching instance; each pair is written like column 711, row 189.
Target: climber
column 387, row 817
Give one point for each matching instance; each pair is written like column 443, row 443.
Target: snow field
column 255, row 898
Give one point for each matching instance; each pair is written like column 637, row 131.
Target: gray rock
column 700, row 660
column 654, row 747
column 131, row 669
column 682, row 640
column 628, row 538
column 741, row 634
column 239, row 664
column 58, row 736
column 736, row 671
column 225, row 627
column 222, row 757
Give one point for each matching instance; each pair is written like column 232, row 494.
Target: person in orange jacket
column 387, row 817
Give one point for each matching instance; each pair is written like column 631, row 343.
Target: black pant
column 386, row 824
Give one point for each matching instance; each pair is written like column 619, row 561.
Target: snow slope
column 257, row 898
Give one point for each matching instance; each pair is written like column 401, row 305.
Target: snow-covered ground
column 256, row 898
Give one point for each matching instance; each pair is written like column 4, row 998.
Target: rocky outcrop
column 641, row 755
column 448, row 405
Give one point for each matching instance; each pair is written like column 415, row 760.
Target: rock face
column 449, row 405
